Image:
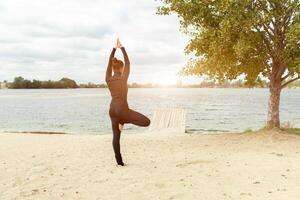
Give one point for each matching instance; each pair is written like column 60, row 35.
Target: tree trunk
column 273, row 120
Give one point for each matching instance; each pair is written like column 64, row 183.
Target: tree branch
column 267, row 69
column 286, row 76
column 286, row 21
column 267, row 28
column 289, row 15
column 262, row 6
column 265, row 40
column 290, row 81
column 281, row 71
column 272, row 5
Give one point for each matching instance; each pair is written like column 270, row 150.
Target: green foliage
column 295, row 84
column 230, row 38
column 68, row 83
column 21, row 83
column 91, row 85
column 248, row 130
column 292, row 130
column 18, row 83
column 265, row 130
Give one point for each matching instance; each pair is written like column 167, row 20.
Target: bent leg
column 136, row 118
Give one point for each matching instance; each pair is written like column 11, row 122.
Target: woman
column 119, row 111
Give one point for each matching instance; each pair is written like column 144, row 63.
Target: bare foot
column 121, row 127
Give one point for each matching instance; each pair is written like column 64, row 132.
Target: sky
column 51, row 39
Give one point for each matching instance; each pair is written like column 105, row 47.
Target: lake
column 85, row 111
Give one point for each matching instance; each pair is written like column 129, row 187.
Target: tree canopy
column 253, row 38
column 240, row 37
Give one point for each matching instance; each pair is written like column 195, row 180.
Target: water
column 85, row 111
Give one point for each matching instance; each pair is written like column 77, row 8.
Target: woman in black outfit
column 119, row 111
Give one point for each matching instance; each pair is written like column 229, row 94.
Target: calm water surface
column 85, row 111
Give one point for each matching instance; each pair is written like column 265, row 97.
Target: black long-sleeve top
column 117, row 83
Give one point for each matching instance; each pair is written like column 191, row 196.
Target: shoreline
column 208, row 132
column 166, row 87
column 261, row 165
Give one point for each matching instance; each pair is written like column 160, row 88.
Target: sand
column 159, row 166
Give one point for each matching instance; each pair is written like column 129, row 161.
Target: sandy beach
column 168, row 166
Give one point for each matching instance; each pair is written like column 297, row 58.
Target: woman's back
column 118, row 89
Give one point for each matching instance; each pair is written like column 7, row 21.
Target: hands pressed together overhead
column 118, row 44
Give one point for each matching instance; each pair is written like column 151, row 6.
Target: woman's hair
column 117, row 65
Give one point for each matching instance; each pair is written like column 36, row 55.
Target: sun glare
column 165, row 79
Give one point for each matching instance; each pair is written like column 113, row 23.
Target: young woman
column 119, row 111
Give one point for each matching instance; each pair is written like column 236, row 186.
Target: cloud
column 52, row 38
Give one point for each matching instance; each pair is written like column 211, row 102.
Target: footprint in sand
column 160, row 185
column 34, row 191
column 284, row 176
column 245, row 194
column 195, row 162
column 277, row 154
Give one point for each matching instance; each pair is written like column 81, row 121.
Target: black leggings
column 124, row 116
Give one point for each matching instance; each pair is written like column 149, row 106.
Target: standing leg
column 135, row 118
column 116, row 140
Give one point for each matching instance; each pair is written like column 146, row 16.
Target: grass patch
column 291, row 130
column 282, row 130
column 248, row 130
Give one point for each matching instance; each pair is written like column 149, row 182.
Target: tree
column 36, row 84
column 18, row 83
column 253, row 38
column 68, row 83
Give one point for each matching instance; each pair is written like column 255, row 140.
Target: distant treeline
column 235, row 84
column 131, row 85
column 92, row 85
column 227, row 84
column 294, row 84
column 21, row 83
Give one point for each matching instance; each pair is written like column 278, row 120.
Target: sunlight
column 165, row 79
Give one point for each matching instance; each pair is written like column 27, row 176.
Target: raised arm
column 109, row 66
column 127, row 64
